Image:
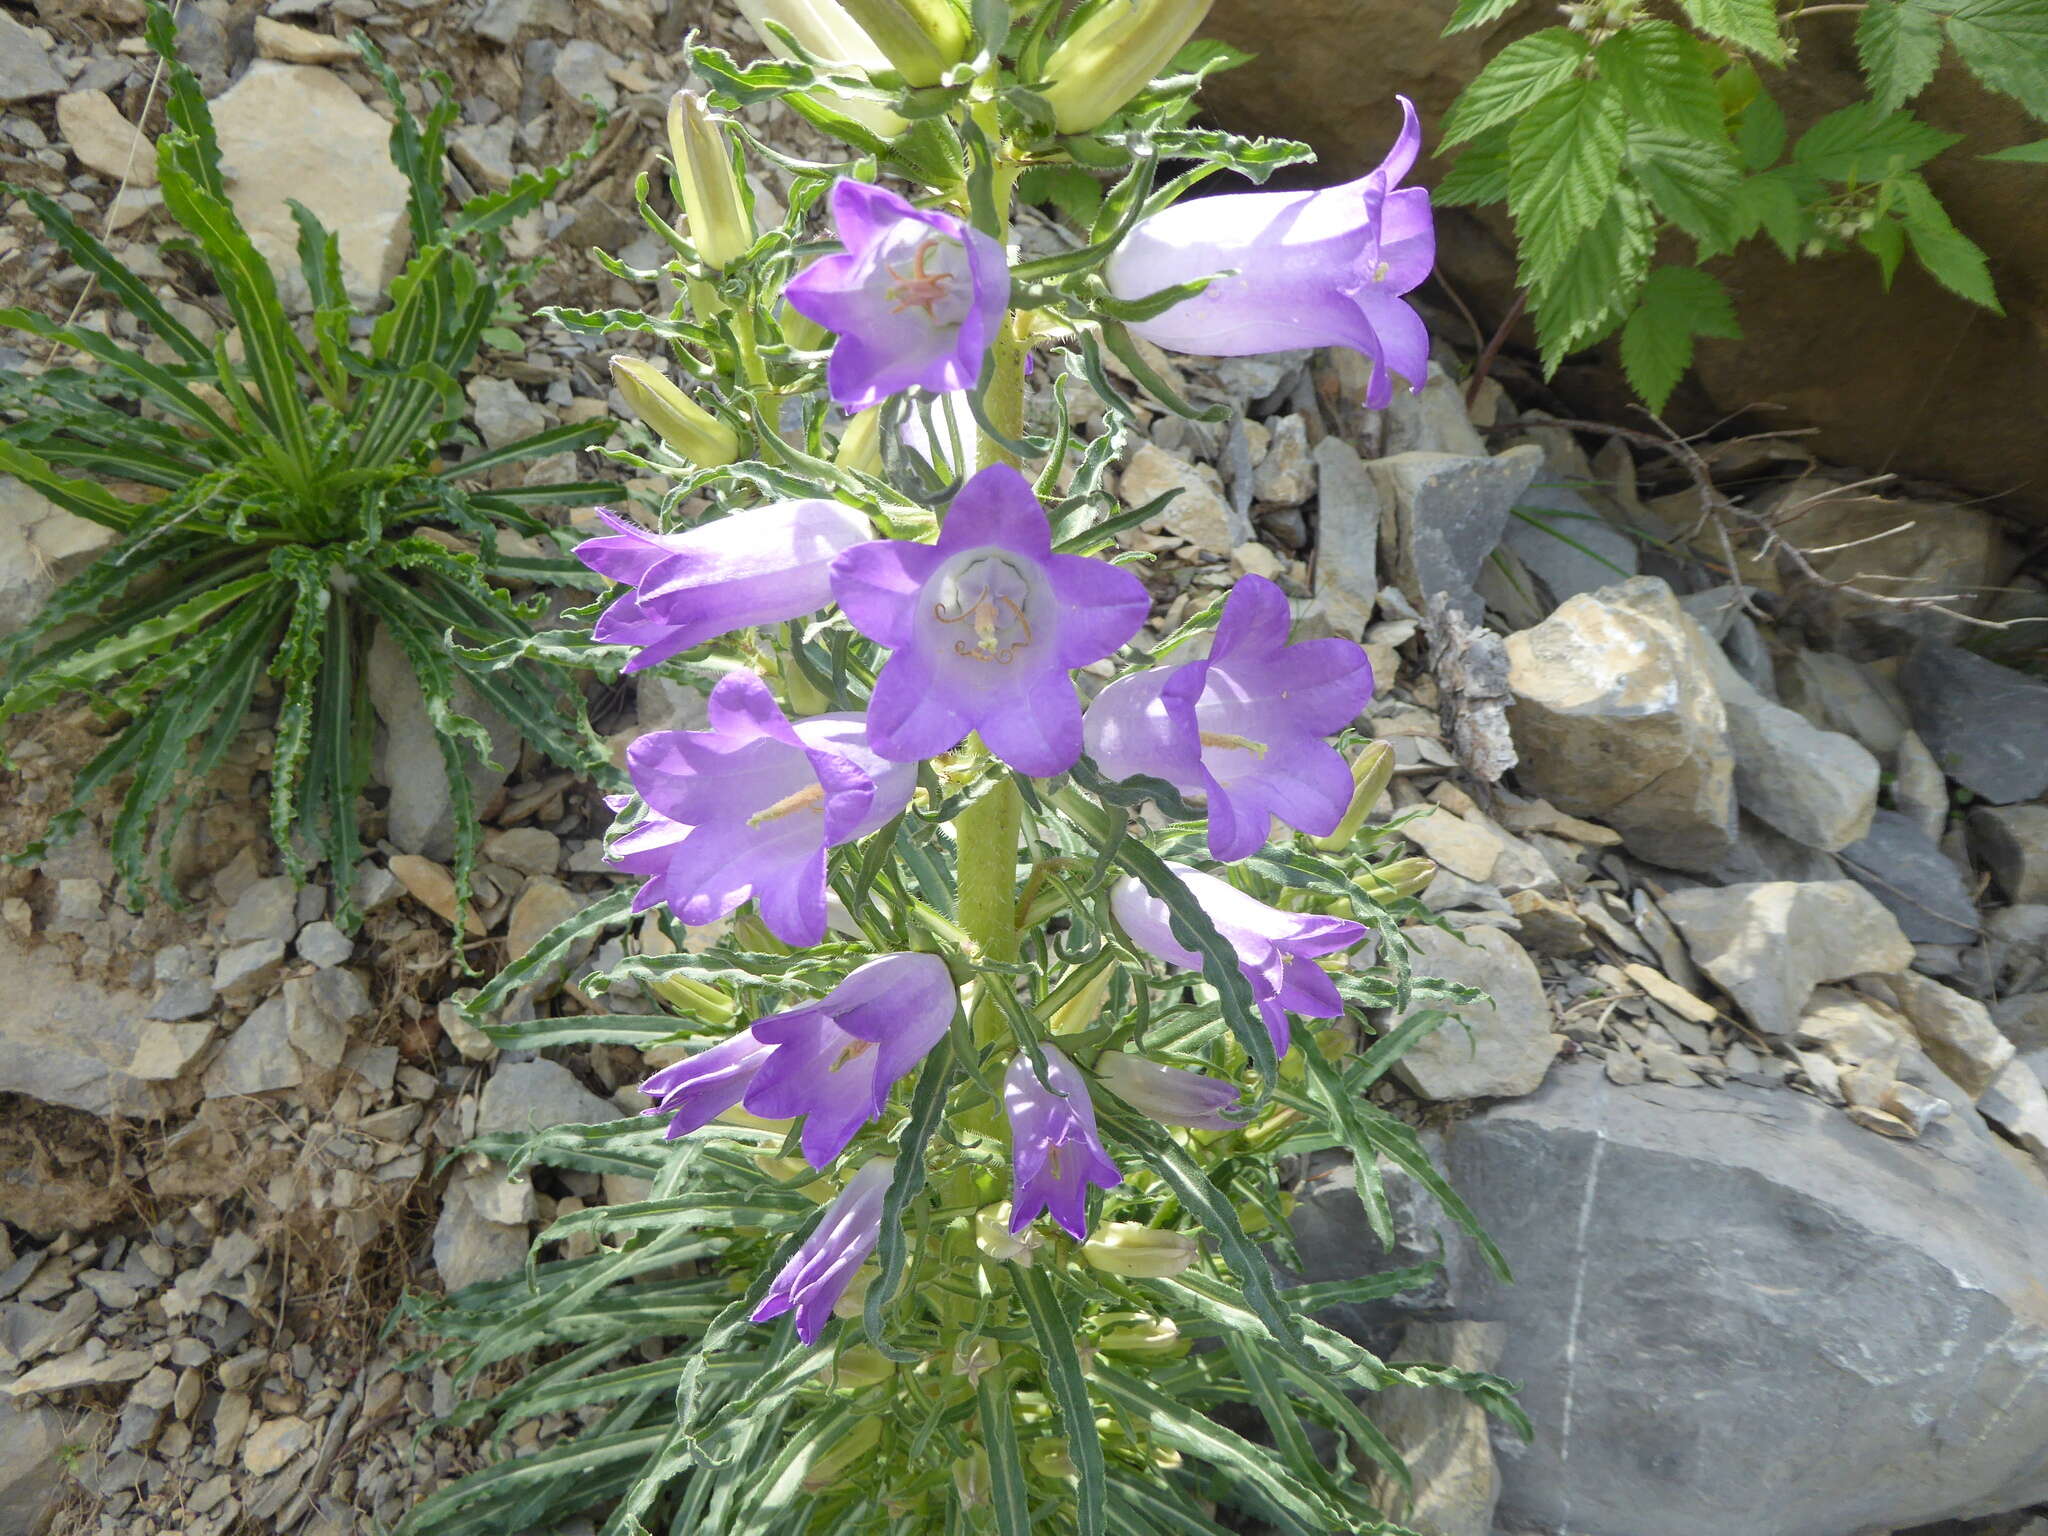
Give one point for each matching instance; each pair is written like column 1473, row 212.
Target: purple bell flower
column 915, row 298
column 1308, row 269
column 1275, row 950
column 698, row 1089
column 1167, row 1094
column 986, row 625
column 1243, row 729
column 758, row 567
column 1053, row 1143
column 749, row 807
column 835, row 1060
column 825, row 1264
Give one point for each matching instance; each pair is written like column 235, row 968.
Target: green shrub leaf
column 1515, row 79
column 2005, row 44
column 1899, row 44
column 1678, row 304
column 1666, row 79
column 1565, row 160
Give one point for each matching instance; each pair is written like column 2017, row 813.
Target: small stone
column 1616, row 716
column 1625, row 1068
column 1986, row 725
column 274, row 1442
column 165, row 1051
column 248, row 969
column 1671, row 994
column 78, row 901
column 580, row 71
column 1467, row 851
column 509, row 1202
column 32, row 1440
column 430, row 885
column 104, row 141
column 1877, row 1120
column 1286, row 476
column 527, row 1096
column 1854, row 1030
column 469, row 1248
column 1666, row 1064
column 1549, row 927
column 314, row 1033
column 421, row 812
column 2012, row 842
column 1956, row 1031
column 1897, row 864
column 186, row 999
column 231, row 1416
column 324, row 944
column 1257, row 560
column 258, row 1057
column 472, row 1042
column 1348, row 520
column 530, row 850
column 485, row 154
column 1919, row 788
column 2017, row 1104
column 541, row 906
column 82, row 1368
column 1497, row 1051
column 1915, row 1107
column 268, row 909
column 1198, row 514
column 26, row 70
column 503, row 413
column 288, row 44
column 1769, row 945
column 41, row 545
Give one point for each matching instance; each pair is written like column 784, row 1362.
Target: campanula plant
column 1012, row 953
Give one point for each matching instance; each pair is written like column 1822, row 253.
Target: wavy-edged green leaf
column 153, row 381
column 94, row 503
column 1516, row 79
column 1009, row 1500
column 136, row 296
column 1564, row 162
column 1067, row 1382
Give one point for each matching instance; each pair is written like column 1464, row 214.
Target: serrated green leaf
column 1951, row 257
column 1516, row 78
column 1899, row 44
column 1773, row 203
column 1692, row 182
column 1678, row 304
column 2005, row 45
column 2035, row 153
column 1665, row 78
column 1751, row 24
column 1760, row 133
column 1564, row 162
column 1586, row 297
column 1886, row 240
column 1865, row 143
column 1476, row 13
column 1480, row 173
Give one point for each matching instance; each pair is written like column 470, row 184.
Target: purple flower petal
column 826, row 1261
column 698, row 1089
column 1102, row 606
column 1055, row 1148
column 877, row 586
column 1168, row 1094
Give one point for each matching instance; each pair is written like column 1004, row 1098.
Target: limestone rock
column 1986, row 725
column 530, row 850
column 1348, row 536
column 1902, row 868
column 268, row 909
column 503, row 413
column 1817, row 787
column 2012, row 842
column 485, row 153
column 31, row 1439
column 324, row 944
column 2017, row 1104
column 74, row 1046
column 1441, row 515
column 288, row 44
column 1761, row 1286
column 1769, row 945
column 258, row 1057
column 1563, row 541
column 248, row 969
column 542, row 905
column 1920, row 788
column 1839, row 694
column 531, row 1096
column 1956, row 1031
column 274, row 1442
column 422, row 809
column 1434, row 421
column 1198, row 514
column 165, row 1051
column 1484, row 1052
column 1286, row 476
column 1616, row 717
column 469, row 1248
column 1441, row 1434
column 41, row 545
column 26, row 70
column 290, row 131
column 104, row 141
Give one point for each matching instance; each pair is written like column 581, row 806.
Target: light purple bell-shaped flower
column 1054, row 1148
column 1243, row 729
column 757, row 567
column 824, row 1266
column 1309, row 269
column 835, row 1060
column 915, row 297
column 1275, row 950
column 986, row 625
column 698, row 1089
column 1168, row 1094
column 748, row 808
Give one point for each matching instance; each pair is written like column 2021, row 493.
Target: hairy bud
column 714, row 205
column 1141, row 1252
column 1112, row 55
column 922, row 38
column 673, row 416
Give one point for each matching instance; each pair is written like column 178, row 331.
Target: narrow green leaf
column 1009, row 1500
column 1068, row 1384
column 1514, row 80
column 927, row 1112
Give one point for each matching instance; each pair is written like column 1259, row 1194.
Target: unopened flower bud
column 824, row 31
column 993, row 1237
column 714, row 205
column 830, row 1465
column 1049, row 1458
column 687, row 995
column 1141, row 1252
column 975, row 1358
column 861, row 1366
column 693, row 432
column 1371, row 771
column 970, row 1478
column 922, row 38
column 1140, row 1333
column 1390, row 882
column 860, row 445
column 1113, row 55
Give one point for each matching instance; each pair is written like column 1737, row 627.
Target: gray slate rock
column 1563, row 541
column 73, row 1047
column 31, row 1471
column 1986, row 725
column 1442, row 514
column 1750, row 1284
column 26, row 70
column 268, row 909
column 1487, row 1051
column 1769, row 945
column 1347, row 554
column 1901, row 867
column 258, row 1057
column 2012, row 842
column 534, row 1095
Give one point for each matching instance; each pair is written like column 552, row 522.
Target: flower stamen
column 1233, row 743
column 919, row 288
column 812, row 797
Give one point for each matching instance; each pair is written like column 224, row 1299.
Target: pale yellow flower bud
column 693, row 432
column 860, row 445
column 1113, row 55
column 831, row 1464
column 922, row 38
column 714, row 206
column 1403, row 877
column 1141, row 1252
column 1371, row 771
column 824, row 30
column 1140, row 1333
column 861, row 1366
column 992, row 1236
